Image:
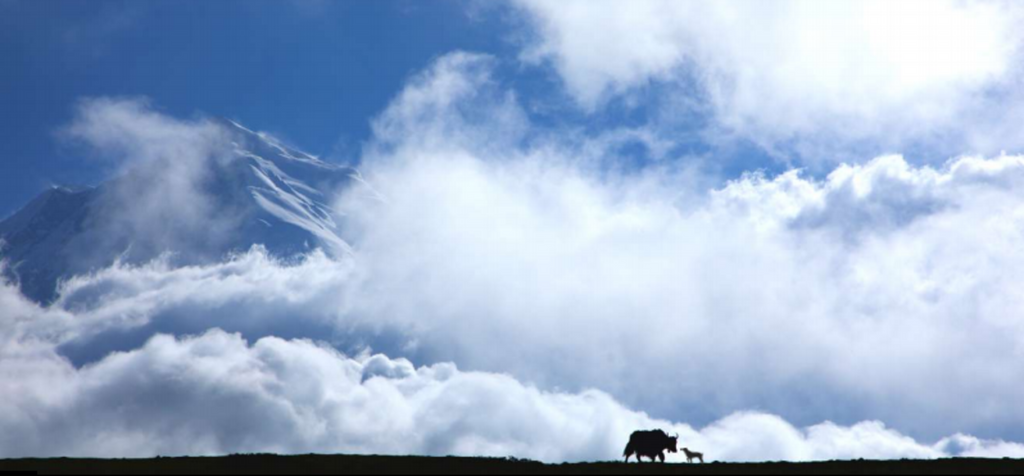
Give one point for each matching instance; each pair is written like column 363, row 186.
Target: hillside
column 338, row 464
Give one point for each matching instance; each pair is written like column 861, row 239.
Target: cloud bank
column 215, row 393
column 570, row 293
column 820, row 80
column 883, row 289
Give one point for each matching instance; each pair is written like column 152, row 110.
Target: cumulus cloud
column 216, row 394
column 571, row 295
column 801, row 77
column 871, row 292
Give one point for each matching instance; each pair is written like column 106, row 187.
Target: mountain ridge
column 257, row 191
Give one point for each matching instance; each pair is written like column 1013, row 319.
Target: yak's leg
column 661, row 456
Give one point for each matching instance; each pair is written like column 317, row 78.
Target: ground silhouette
column 342, row 464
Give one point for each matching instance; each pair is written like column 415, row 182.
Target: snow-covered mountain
column 257, row 191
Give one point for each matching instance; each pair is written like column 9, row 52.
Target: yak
column 651, row 443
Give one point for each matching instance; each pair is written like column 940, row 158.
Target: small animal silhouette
column 692, row 455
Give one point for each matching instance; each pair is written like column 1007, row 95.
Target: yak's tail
column 629, row 450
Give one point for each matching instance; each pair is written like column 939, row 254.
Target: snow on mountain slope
column 291, row 191
column 257, row 191
column 31, row 240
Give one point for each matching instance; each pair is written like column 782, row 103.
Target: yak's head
column 673, row 441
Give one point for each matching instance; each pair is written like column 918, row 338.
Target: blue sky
column 314, row 73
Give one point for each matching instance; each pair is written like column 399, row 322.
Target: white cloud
column 161, row 157
column 216, row 394
column 803, row 77
column 444, row 107
column 970, row 446
column 254, row 290
column 883, row 292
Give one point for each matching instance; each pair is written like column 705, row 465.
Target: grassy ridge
column 328, row 464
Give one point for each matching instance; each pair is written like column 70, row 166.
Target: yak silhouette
column 650, row 444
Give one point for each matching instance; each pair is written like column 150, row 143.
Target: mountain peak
column 274, row 146
column 261, row 192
